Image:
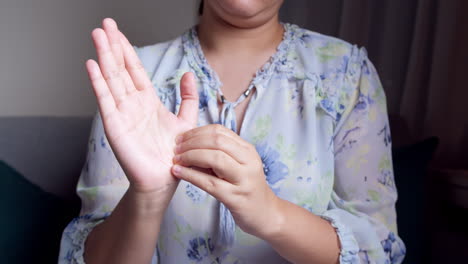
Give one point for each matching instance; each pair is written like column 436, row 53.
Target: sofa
column 37, row 192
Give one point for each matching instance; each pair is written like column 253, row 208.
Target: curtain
column 419, row 48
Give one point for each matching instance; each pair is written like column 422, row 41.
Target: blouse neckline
column 203, row 70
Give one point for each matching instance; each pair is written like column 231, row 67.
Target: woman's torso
column 290, row 119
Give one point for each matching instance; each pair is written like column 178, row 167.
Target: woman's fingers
column 108, row 65
column 112, row 31
column 218, row 142
column 134, row 66
column 221, row 163
column 110, row 27
column 213, row 131
column 104, row 97
column 218, row 188
column 138, row 74
column 188, row 110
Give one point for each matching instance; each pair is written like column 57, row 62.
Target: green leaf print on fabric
column 91, row 193
column 181, row 232
column 374, row 195
column 378, row 96
column 106, row 208
column 261, row 128
column 176, row 77
column 287, row 151
column 331, row 51
column 386, row 171
column 384, row 163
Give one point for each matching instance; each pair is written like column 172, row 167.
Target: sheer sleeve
column 101, row 185
column 362, row 208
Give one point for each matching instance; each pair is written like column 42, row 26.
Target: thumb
column 189, row 106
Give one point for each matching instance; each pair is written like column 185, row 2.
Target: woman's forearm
column 129, row 234
column 302, row 237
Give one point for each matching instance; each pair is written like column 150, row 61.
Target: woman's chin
column 241, row 8
column 245, row 13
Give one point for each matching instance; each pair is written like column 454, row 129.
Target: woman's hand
column 232, row 172
column 140, row 130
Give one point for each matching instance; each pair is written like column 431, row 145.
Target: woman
column 245, row 140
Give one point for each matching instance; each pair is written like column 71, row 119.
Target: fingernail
column 178, row 139
column 176, row 158
column 176, row 169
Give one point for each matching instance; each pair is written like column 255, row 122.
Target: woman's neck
column 217, row 36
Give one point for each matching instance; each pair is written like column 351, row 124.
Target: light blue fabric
column 318, row 120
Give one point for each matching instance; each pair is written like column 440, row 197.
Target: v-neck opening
column 205, row 73
column 211, row 76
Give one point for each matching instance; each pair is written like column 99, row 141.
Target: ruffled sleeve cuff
column 349, row 246
column 74, row 237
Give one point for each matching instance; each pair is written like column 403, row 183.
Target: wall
column 44, row 45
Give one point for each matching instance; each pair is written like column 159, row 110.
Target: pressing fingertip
column 176, row 169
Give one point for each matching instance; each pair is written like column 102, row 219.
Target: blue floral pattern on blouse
column 319, row 122
column 273, row 168
column 199, row 248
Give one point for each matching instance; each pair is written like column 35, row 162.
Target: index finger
column 212, row 130
column 134, row 66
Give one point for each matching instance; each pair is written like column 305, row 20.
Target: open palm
column 140, row 130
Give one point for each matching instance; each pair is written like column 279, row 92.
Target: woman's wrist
column 150, row 203
column 272, row 228
column 292, row 226
column 129, row 234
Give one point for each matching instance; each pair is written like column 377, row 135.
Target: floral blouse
column 319, row 122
